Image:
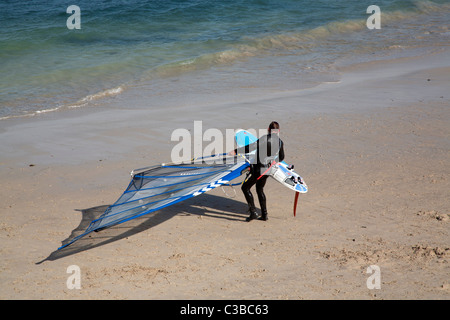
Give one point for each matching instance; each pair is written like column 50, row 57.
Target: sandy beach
column 373, row 148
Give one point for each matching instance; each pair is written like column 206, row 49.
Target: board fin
column 295, row 202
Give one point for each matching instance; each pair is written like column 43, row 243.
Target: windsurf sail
column 160, row 186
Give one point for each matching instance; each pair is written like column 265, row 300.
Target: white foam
column 102, row 94
column 80, row 103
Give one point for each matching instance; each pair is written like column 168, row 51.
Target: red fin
column 295, row 202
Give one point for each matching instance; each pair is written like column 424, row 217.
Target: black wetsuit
column 269, row 148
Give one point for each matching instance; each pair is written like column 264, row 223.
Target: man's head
column 274, row 127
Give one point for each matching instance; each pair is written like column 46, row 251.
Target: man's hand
column 232, row 153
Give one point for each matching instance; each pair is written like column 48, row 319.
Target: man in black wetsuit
column 269, row 150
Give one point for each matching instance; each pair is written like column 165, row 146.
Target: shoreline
column 45, row 130
column 362, row 145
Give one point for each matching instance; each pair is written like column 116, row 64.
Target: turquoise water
column 132, row 44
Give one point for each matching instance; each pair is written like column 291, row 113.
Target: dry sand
column 374, row 150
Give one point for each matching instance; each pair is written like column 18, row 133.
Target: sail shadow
column 207, row 205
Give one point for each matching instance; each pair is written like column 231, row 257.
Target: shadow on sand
column 207, row 205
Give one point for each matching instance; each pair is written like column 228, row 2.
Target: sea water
column 173, row 52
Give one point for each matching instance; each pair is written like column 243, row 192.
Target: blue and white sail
column 163, row 185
